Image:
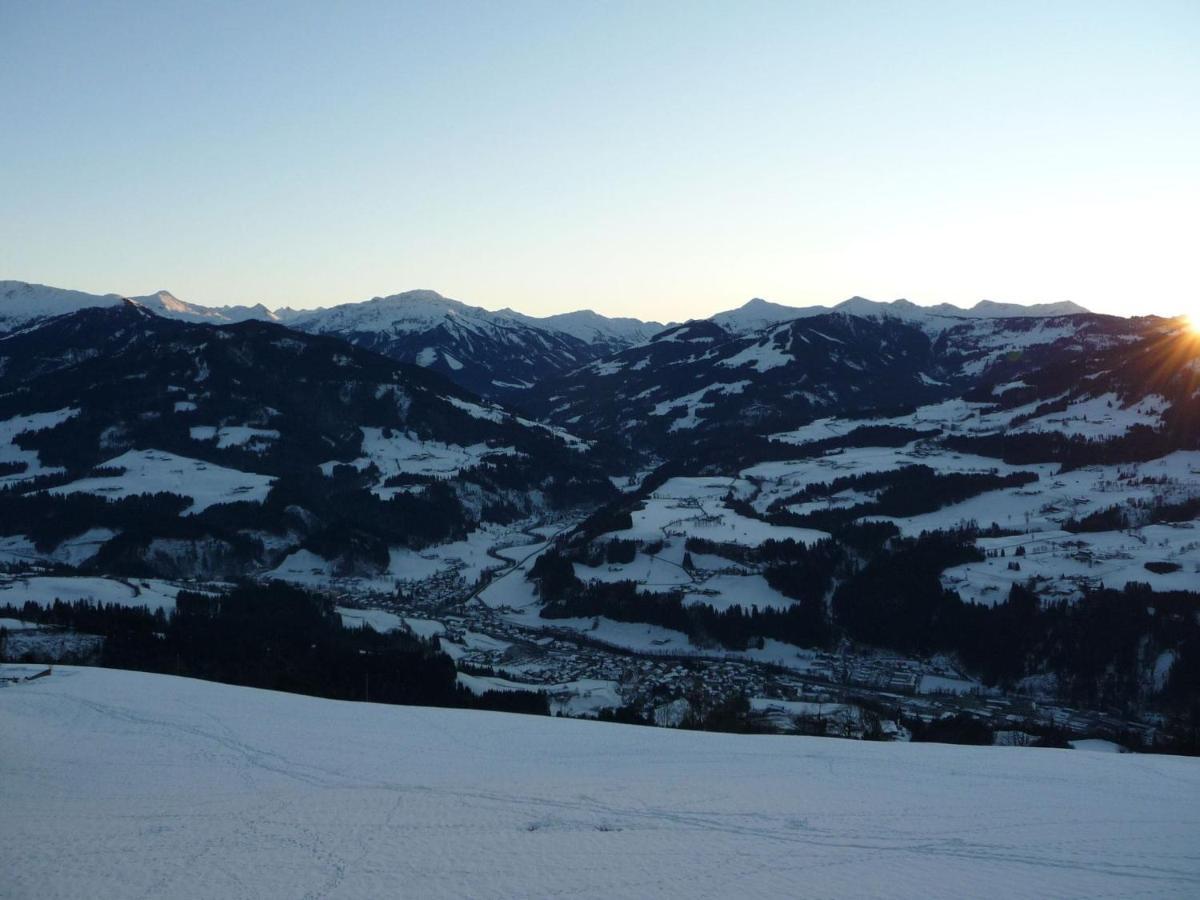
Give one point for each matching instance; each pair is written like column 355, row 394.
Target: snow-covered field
column 17, row 548
column 153, row 593
column 11, row 453
column 693, row 507
column 121, row 784
column 1057, row 496
column 470, row 558
column 1062, row 564
column 256, row 439
column 151, row 471
column 401, row 453
column 1098, row 416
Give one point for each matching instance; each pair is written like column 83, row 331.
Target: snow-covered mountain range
column 22, row 303
column 496, row 354
column 492, row 353
column 499, row 354
column 757, row 314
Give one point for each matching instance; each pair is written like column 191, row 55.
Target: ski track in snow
column 122, row 784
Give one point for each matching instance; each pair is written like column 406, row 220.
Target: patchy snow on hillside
column 694, row 403
column 987, row 340
column 74, row 551
column 152, row 471
column 951, row 416
column 1062, row 565
column 576, row 443
column 376, row 619
column 119, row 784
column 574, row 698
column 1046, row 504
column 650, row 572
column 711, row 580
column 780, row 479
column 1099, row 417
column 467, row 559
column 226, row 436
column 691, row 507
column 14, row 456
column 723, row 592
column 475, row 411
column 43, row 590
column 607, row 367
column 762, row 357
column 396, row 452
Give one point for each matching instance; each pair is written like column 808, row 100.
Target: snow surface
column 1062, row 564
column 694, row 403
column 1102, row 416
column 123, row 784
column 1097, row 745
column 226, row 436
column 152, row 471
column 763, row 356
column 587, row 696
column 475, row 411
column 692, row 507
column 152, row 593
column 11, row 453
column 424, row 310
column 397, row 452
column 955, row 416
column 1046, row 504
column 74, row 551
column 376, row 619
column 469, row 558
column 22, row 303
column 592, row 327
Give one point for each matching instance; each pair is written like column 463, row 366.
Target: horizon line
column 498, row 307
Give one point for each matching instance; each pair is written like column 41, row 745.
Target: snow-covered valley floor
column 121, row 784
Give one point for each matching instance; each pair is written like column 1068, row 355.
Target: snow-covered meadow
column 151, row 471
column 121, row 784
column 43, row 590
column 27, row 460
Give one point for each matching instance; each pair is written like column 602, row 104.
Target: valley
column 741, row 556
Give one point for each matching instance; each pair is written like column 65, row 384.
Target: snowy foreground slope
column 120, row 784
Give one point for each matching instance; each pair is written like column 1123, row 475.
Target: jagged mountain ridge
column 500, row 354
column 496, row 354
column 23, row 304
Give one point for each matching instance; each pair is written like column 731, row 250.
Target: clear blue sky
column 654, row 159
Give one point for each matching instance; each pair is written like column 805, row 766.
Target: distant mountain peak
column 417, row 295
column 992, row 308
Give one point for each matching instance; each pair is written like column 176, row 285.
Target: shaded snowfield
column 152, row 593
column 151, row 471
column 120, row 784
